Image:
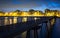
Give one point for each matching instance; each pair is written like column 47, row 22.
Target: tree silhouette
column 31, row 11
column 47, row 10
column 55, row 11
column 1, row 12
column 17, row 11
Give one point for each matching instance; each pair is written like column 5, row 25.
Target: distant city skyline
column 25, row 5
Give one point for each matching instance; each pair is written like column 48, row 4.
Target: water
column 41, row 32
column 56, row 29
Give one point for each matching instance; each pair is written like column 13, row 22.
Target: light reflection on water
column 11, row 21
column 8, row 20
column 15, row 20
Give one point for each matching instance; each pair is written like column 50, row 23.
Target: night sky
column 11, row 5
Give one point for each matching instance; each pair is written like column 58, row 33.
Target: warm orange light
column 6, row 14
column 24, row 13
column 50, row 14
column 24, row 19
column 15, row 20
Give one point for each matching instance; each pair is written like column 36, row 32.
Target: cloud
column 25, row 5
column 53, row 5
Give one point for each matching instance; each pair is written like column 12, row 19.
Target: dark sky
column 11, row 5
